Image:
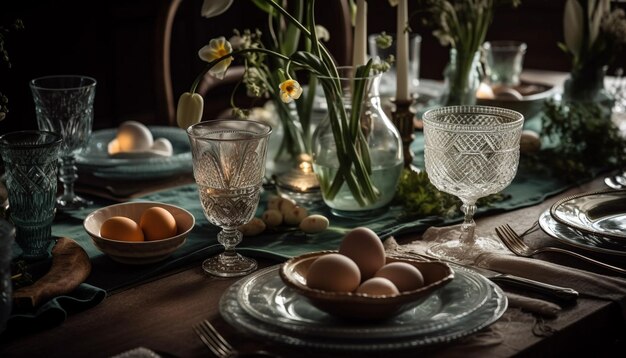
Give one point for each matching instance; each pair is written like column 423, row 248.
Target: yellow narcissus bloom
column 189, row 109
column 290, row 90
column 217, row 48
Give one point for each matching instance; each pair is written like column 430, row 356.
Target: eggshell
column 364, row 247
column 253, row 227
column 313, row 224
column 378, row 286
column 404, row 276
column 134, row 136
column 163, row 146
column 272, row 217
column 157, row 224
column 333, row 272
column 294, row 216
column 121, row 228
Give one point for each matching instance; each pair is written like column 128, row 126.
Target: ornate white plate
column 571, row 236
column 601, row 213
column 95, row 158
column 296, row 322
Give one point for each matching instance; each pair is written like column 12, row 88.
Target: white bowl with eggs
column 360, row 306
column 125, row 245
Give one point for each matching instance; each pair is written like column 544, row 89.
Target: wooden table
column 160, row 314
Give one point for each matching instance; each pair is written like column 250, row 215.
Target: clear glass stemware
column 229, row 166
column 470, row 152
column 64, row 105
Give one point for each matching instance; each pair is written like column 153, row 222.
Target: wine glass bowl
column 229, row 166
column 64, row 105
column 470, row 152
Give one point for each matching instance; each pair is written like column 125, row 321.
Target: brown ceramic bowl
column 533, row 98
column 143, row 252
column 361, row 306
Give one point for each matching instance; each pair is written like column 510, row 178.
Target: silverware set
column 219, row 346
column 515, row 243
column 617, row 181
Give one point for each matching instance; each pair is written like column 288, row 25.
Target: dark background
column 114, row 41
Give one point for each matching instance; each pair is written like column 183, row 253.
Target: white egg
column 163, row 147
column 134, row 136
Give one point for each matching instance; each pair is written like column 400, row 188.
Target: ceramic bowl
column 533, row 94
column 138, row 253
column 358, row 306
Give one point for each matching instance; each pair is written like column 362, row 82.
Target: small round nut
column 313, row 224
column 294, row 216
column 272, row 217
column 253, row 228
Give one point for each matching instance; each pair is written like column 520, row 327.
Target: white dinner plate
column 96, row 160
column 582, row 240
column 600, row 213
column 305, row 326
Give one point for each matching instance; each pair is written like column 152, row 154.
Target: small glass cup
column 31, row 159
column 503, row 62
column 388, row 80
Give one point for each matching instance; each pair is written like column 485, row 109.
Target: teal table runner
column 527, row 189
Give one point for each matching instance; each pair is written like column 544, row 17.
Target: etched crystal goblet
column 229, row 166
column 64, row 105
column 470, row 152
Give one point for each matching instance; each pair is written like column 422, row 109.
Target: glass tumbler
column 504, row 61
column 31, row 159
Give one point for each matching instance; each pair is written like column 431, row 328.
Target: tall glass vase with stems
column 470, row 152
column 376, row 142
column 585, row 84
column 64, row 105
column 462, row 78
column 229, row 166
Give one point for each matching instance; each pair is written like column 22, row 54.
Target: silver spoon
column 616, row 181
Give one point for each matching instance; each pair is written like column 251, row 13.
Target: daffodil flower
column 290, row 90
column 211, row 8
column 217, row 48
column 189, row 109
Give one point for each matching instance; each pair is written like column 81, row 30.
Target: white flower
column 393, row 2
column 322, row 33
column 212, row 8
column 290, row 90
column 572, row 26
column 217, row 48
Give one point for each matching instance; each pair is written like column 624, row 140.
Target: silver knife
column 562, row 294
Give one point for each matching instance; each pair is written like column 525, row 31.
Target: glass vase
column 586, row 85
column 462, row 78
column 374, row 139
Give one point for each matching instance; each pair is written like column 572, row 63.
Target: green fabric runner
column 527, row 189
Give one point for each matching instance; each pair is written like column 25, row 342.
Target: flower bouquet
column 353, row 157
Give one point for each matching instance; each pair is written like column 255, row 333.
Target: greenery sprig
column 420, row 198
column 584, row 139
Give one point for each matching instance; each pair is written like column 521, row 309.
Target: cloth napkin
column 54, row 311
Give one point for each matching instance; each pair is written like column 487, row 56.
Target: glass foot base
column 72, row 203
column 451, row 248
column 225, row 265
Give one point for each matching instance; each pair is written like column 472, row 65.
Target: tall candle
column 360, row 35
column 402, row 53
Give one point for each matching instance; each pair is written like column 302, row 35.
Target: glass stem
column 468, row 226
column 229, row 237
column 67, row 175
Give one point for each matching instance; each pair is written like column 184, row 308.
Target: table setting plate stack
column 95, row 159
column 262, row 305
column 593, row 222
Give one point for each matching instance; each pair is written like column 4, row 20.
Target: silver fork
column 219, row 345
column 515, row 243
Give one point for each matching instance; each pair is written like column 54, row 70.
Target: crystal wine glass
column 229, row 166
column 470, row 152
column 64, row 105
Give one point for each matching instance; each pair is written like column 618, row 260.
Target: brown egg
column 378, row 286
column 405, row 276
column 121, row 228
column 364, row 247
column 333, row 272
column 157, row 224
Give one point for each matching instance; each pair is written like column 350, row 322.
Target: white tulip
column 212, row 8
column 572, row 26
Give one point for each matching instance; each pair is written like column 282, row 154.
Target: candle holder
column 300, row 182
column 403, row 116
